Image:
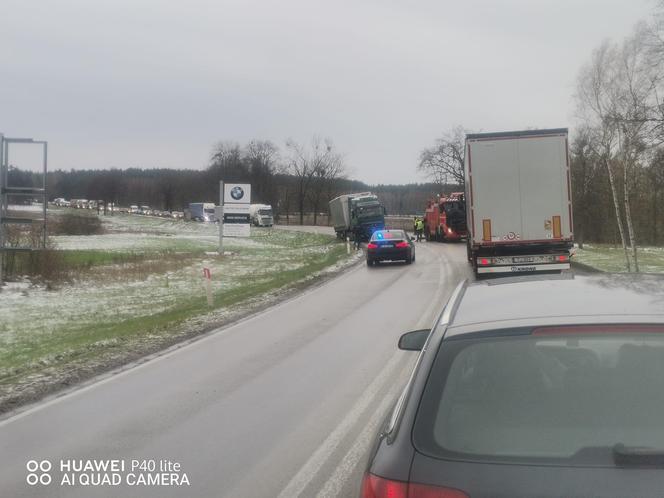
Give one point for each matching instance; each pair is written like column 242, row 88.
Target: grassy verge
column 129, row 301
column 612, row 259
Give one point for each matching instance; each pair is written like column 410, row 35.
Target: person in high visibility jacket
column 420, row 229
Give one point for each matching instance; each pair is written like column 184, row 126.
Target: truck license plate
column 523, row 260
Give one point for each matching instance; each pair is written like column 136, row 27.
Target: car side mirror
column 414, row 341
column 412, row 238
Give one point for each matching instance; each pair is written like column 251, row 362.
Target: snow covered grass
column 612, row 259
column 143, row 279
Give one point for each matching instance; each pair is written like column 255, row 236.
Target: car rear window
column 556, row 397
column 391, row 235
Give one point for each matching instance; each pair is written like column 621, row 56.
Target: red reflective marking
column 599, row 329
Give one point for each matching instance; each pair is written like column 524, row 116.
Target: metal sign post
column 220, row 217
column 7, row 190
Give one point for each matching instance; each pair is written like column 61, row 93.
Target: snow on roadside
column 29, row 312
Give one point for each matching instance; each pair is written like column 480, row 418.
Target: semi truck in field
column 445, row 218
column 261, row 215
column 519, row 210
column 363, row 210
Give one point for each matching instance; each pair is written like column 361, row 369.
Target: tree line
column 297, row 179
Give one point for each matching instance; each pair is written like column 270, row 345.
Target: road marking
column 339, row 477
column 436, row 300
column 309, row 470
column 334, row 485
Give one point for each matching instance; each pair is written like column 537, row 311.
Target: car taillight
column 371, row 245
column 377, row 487
column 402, row 245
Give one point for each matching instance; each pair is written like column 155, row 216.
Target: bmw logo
column 237, row 193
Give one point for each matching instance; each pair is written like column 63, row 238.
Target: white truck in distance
column 261, row 215
column 520, row 205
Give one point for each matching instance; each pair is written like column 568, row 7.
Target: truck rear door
column 494, row 171
column 545, row 207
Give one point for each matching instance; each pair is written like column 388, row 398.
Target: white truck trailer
column 261, row 215
column 520, row 201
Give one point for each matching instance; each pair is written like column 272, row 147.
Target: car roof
column 556, row 300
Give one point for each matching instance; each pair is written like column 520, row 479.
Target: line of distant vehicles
column 260, row 214
column 110, row 207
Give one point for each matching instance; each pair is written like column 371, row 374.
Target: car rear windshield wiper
column 638, row 456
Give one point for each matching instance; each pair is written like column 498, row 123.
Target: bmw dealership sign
column 237, row 197
column 237, row 193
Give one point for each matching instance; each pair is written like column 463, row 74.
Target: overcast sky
column 155, row 84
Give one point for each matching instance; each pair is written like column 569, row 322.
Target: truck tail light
column 484, row 261
column 557, row 228
column 371, row 245
column 563, row 258
column 486, row 230
column 401, row 245
column 377, row 487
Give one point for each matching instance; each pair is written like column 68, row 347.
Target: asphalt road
column 284, row 404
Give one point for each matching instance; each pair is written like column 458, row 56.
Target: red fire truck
column 445, row 218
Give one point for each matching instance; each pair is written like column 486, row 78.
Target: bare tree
column 328, row 168
column 597, row 106
column 310, row 165
column 226, row 163
column 443, row 163
column 262, row 159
